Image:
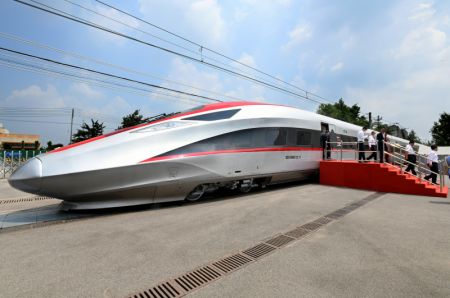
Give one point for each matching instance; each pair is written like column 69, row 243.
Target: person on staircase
column 432, row 162
column 372, row 146
column 361, row 137
column 381, row 137
column 411, row 157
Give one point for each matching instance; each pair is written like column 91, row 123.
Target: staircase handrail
column 441, row 180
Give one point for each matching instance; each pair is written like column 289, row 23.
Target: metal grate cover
column 192, row 280
column 197, row 278
column 259, row 250
column 297, row 233
column 280, row 240
column 163, row 290
column 323, row 220
column 232, row 263
column 311, row 226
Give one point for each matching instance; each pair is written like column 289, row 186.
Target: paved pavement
column 395, row 246
column 7, row 192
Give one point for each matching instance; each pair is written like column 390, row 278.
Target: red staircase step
column 377, row 177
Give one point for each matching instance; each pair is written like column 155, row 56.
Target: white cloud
column 85, row 90
column 422, row 12
column 298, row 35
column 206, row 16
column 338, row 66
column 247, row 59
column 34, row 96
column 199, row 19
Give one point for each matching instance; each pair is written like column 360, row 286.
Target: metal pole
column 341, row 150
column 71, row 126
column 4, row 164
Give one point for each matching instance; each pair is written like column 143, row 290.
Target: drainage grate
column 280, row 240
column 197, row 278
column 311, row 226
column 259, row 250
column 297, row 233
column 22, row 200
column 323, row 220
column 192, row 280
column 232, row 263
column 163, row 290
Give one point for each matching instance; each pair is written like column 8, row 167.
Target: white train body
column 236, row 145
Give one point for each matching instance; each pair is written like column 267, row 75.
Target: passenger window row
column 250, row 138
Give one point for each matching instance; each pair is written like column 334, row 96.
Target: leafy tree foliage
column 87, row 132
column 412, row 136
column 441, row 130
column 341, row 111
column 51, row 146
column 133, row 119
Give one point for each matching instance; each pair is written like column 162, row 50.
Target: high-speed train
column 238, row 145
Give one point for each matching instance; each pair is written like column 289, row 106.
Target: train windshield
column 163, row 126
column 221, row 115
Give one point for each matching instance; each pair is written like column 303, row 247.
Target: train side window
column 303, row 138
column 258, row 137
column 276, row 136
column 242, row 139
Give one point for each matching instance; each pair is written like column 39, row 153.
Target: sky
column 392, row 58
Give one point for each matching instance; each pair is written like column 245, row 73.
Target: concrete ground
column 395, row 246
column 7, row 192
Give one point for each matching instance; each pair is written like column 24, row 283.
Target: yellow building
column 17, row 141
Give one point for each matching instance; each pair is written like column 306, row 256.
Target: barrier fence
column 12, row 159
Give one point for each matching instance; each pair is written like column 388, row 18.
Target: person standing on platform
column 411, row 158
column 324, row 143
column 381, row 138
column 448, row 165
column 432, row 162
column 372, row 146
column 361, row 138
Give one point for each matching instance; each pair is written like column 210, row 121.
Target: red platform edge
column 376, row 177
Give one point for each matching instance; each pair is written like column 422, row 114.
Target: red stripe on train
column 247, row 150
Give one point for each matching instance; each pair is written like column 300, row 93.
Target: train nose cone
column 28, row 177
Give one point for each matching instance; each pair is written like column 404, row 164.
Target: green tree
column 87, row 132
column 133, row 119
column 51, row 146
column 441, row 130
column 412, row 136
column 341, row 111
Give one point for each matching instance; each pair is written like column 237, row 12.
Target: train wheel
column 196, row 194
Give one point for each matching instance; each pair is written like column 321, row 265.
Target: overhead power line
column 201, row 47
column 127, row 69
column 65, row 15
column 99, row 83
column 108, row 74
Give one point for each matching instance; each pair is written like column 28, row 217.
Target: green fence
column 12, row 159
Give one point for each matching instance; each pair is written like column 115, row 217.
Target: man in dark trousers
column 325, row 144
column 380, row 139
column 411, row 158
column 432, row 162
column 361, row 137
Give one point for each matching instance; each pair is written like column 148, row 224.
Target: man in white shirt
column 372, row 146
column 361, row 137
column 411, row 158
column 432, row 162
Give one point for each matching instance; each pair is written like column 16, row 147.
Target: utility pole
column 370, row 120
column 71, row 126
